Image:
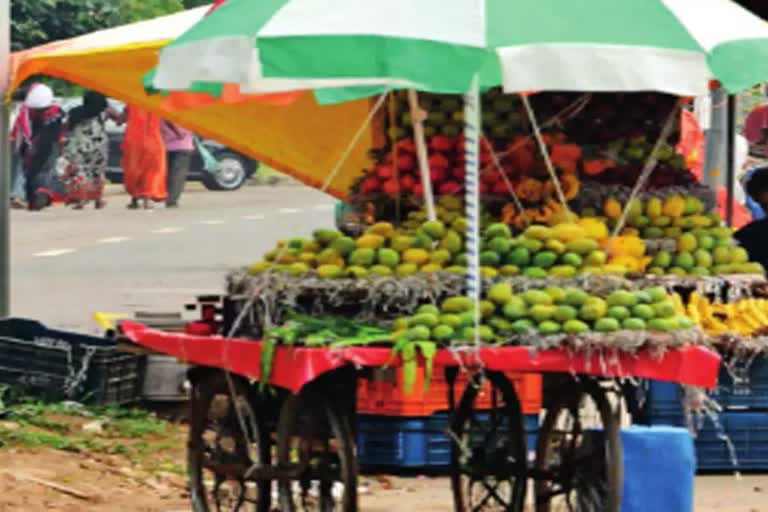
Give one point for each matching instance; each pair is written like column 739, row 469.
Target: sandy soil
column 109, row 469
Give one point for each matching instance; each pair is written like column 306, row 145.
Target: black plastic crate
column 56, row 364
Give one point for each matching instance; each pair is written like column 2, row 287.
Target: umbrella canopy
column 292, row 133
column 674, row 46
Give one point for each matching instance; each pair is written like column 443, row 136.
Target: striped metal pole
column 472, row 196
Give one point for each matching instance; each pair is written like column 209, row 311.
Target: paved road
column 67, row 264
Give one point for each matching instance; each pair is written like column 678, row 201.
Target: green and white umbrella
column 440, row 45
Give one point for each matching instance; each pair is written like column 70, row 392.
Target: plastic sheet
column 293, row 367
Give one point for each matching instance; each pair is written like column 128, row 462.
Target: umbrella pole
column 730, row 148
column 5, row 159
column 421, row 153
column 472, row 198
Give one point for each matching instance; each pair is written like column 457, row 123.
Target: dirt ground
column 138, row 465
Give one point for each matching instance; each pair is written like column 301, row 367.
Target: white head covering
column 40, row 96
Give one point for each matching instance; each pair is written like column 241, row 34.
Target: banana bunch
column 745, row 317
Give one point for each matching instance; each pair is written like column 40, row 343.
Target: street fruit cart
column 491, row 240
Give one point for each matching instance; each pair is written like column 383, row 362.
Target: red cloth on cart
column 293, row 367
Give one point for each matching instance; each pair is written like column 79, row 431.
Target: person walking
column 41, row 153
column 179, row 148
column 143, row 160
column 21, row 137
column 86, row 151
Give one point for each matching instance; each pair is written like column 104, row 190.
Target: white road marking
column 253, row 217
column 290, row 210
column 167, row 231
column 113, row 240
column 324, row 207
column 211, row 222
column 52, row 253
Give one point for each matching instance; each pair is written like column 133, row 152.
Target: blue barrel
column 659, row 469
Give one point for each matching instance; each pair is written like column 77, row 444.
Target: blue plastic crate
column 749, row 391
column 747, row 431
column 412, row 442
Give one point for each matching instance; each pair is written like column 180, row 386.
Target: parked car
column 231, row 172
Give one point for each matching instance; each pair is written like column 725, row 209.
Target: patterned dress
column 85, row 159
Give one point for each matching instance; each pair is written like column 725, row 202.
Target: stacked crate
column 408, row 430
column 735, row 439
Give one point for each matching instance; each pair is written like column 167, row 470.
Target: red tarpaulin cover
column 294, row 367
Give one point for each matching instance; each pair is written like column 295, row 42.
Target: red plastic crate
column 384, row 393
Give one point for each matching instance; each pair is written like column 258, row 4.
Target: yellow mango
column 674, row 206
column 612, row 208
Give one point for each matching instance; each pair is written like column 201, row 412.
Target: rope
column 650, row 166
column 545, row 153
column 507, row 183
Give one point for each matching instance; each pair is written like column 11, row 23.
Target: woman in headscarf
column 46, row 123
column 143, row 161
column 86, row 151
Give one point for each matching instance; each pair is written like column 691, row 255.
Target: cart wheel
column 220, row 453
column 579, row 462
column 488, row 455
column 314, row 439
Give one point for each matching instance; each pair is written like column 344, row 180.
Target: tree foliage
column 35, row 22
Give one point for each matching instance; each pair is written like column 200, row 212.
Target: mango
column 619, row 312
column 357, row 272
column 739, row 255
column 548, row 327
column 643, row 297
column 418, row 332
column 440, row 256
column 563, row 271
column 509, row 270
column 401, row 243
column 684, row 260
column 544, row 259
column 653, row 207
column 258, row 267
column 500, row 245
column 384, row 229
column 431, row 267
column 428, row 318
column 360, row 257
column 582, row 246
column 406, row 269
column 515, row 309
column 664, row 309
column 567, row 232
column 416, row 256
column 593, row 309
column 687, row 243
column 326, row 236
column 572, row 259
column 370, row 241
column 596, row 258
column 633, row 324
column 519, row 257
column 535, row 273
column 421, row 241
column 536, row 297
column 434, row 228
column 662, row 259
column 643, row 311
column 388, row 257
column 536, row 232
column 612, row 208
column 653, row 233
column 721, row 255
column 443, row 333
column 541, row 312
column 607, row 325
column 450, row 319
column 554, row 246
column 380, row 270
column 498, row 229
column 663, row 324
column 489, row 259
column 456, row 305
column 489, row 272
column 595, row 228
column 575, row 327
column 673, row 206
column 575, row 297
column 524, row 326
column 621, row 298
column 530, row 244
column 656, row 293
column 500, row 293
column 329, row 271
column 565, row 313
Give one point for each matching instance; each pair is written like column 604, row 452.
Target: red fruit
column 417, row 190
column 384, row 171
column 492, row 176
column 407, row 182
column 406, row 145
column 458, row 173
column 391, row 187
column 483, row 188
column 449, row 188
column 485, row 158
column 500, row 189
column 406, row 162
column 369, row 185
column 437, row 173
column 441, row 143
column 439, row 160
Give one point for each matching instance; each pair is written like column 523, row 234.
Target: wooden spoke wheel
column 579, row 464
column 223, row 446
column 488, row 453
column 315, row 445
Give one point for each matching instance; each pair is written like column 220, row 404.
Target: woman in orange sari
column 143, row 160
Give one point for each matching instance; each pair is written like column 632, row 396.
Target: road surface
column 65, row 264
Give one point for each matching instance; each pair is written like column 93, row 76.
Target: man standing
column 179, row 148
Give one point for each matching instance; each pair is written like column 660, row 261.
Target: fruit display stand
column 577, row 276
